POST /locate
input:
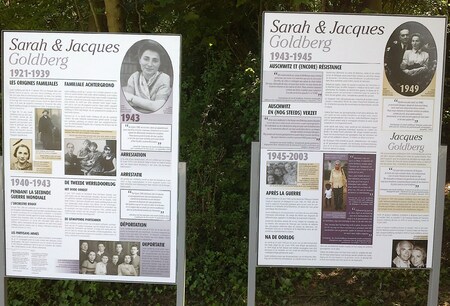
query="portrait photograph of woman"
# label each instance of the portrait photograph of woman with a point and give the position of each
(147, 76)
(21, 154)
(48, 129)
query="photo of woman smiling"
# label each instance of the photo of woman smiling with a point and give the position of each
(22, 154)
(149, 87)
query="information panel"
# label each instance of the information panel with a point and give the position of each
(350, 131)
(91, 155)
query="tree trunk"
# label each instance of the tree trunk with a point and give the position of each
(374, 6)
(97, 21)
(324, 6)
(114, 15)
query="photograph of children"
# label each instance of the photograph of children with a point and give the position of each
(410, 58)
(109, 257)
(146, 76)
(90, 157)
(48, 129)
(409, 254)
(281, 173)
(335, 173)
(21, 155)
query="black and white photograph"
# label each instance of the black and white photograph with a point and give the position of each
(48, 129)
(146, 76)
(281, 173)
(109, 257)
(90, 157)
(21, 155)
(410, 59)
(409, 254)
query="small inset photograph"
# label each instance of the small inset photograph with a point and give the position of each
(409, 254)
(109, 257)
(146, 76)
(90, 157)
(21, 155)
(335, 173)
(48, 129)
(410, 58)
(281, 173)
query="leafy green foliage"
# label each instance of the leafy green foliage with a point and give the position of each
(219, 119)
(44, 15)
(69, 292)
(216, 117)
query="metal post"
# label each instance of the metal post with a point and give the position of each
(433, 288)
(253, 225)
(181, 235)
(3, 291)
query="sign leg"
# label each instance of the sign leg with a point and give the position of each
(253, 225)
(181, 251)
(433, 288)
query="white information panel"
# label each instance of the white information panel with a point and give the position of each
(350, 131)
(91, 155)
